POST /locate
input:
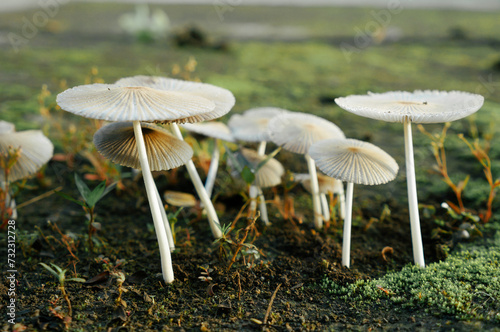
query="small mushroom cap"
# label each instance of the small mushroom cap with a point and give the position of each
(177, 198)
(222, 99)
(326, 183)
(213, 129)
(269, 174)
(296, 132)
(113, 102)
(117, 143)
(251, 126)
(36, 150)
(6, 127)
(418, 106)
(354, 161)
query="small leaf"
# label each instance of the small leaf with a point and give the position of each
(48, 268)
(108, 189)
(95, 195)
(69, 198)
(82, 188)
(247, 175)
(76, 279)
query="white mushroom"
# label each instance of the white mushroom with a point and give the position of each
(407, 107)
(35, 151)
(185, 101)
(296, 132)
(222, 101)
(353, 161)
(116, 142)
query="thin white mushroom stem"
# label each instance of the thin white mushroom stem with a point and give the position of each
(325, 206)
(212, 170)
(253, 191)
(262, 207)
(318, 217)
(261, 150)
(161, 235)
(200, 189)
(416, 237)
(341, 201)
(166, 224)
(262, 200)
(346, 242)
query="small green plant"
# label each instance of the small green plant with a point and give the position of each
(60, 274)
(90, 199)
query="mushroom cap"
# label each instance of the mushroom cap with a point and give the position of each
(36, 150)
(354, 161)
(296, 132)
(177, 198)
(113, 102)
(326, 183)
(6, 127)
(213, 129)
(222, 99)
(116, 142)
(269, 174)
(251, 126)
(417, 106)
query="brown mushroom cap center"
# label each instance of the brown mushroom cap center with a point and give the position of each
(353, 149)
(412, 102)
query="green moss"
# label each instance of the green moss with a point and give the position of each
(465, 285)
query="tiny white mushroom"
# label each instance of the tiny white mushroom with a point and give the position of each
(35, 151)
(296, 132)
(353, 161)
(326, 184)
(407, 107)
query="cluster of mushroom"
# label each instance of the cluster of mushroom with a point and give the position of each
(135, 104)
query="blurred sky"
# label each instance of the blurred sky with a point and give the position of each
(15, 5)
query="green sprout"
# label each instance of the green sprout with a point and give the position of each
(60, 274)
(90, 199)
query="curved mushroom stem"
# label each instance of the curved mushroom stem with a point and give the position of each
(416, 237)
(212, 170)
(318, 217)
(262, 148)
(253, 191)
(346, 242)
(324, 206)
(341, 200)
(152, 192)
(200, 189)
(166, 224)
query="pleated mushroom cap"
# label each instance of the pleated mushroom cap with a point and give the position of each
(212, 129)
(36, 150)
(354, 161)
(251, 126)
(177, 198)
(296, 132)
(418, 106)
(117, 143)
(268, 175)
(222, 99)
(326, 183)
(120, 103)
(6, 127)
